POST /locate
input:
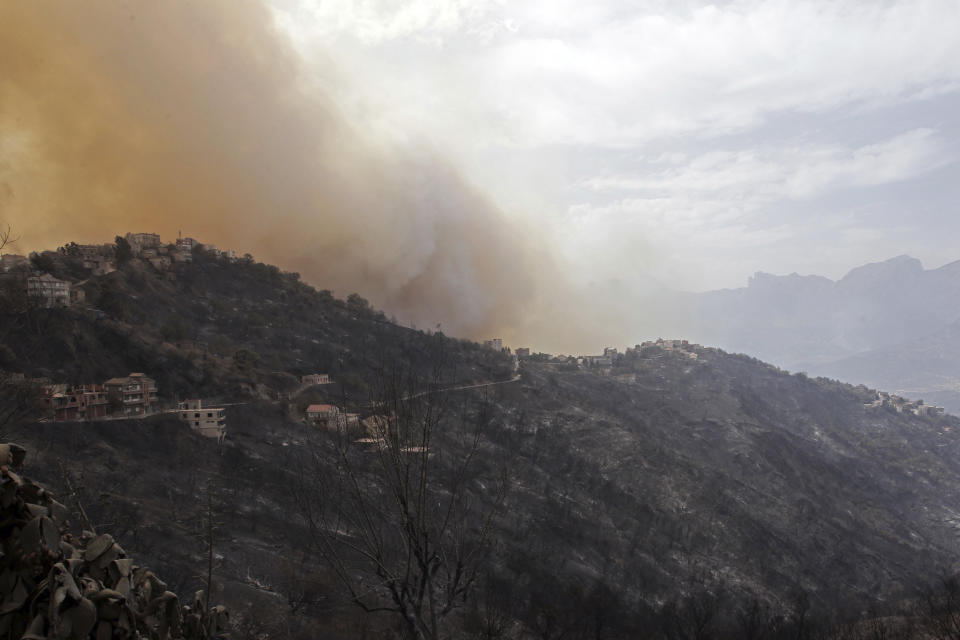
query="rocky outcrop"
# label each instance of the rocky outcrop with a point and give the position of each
(56, 585)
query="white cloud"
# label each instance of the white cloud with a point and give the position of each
(676, 101)
(789, 172)
(594, 74)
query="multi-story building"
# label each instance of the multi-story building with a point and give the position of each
(136, 393)
(186, 244)
(210, 422)
(48, 291)
(140, 241)
(523, 352)
(78, 402)
(315, 378)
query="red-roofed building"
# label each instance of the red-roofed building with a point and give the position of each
(325, 415)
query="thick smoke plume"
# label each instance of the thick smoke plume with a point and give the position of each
(159, 116)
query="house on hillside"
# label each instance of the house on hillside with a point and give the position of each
(314, 379)
(97, 257)
(142, 241)
(186, 244)
(523, 352)
(210, 422)
(136, 393)
(496, 344)
(324, 415)
(10, 261)
(48, 291)
(77, 402)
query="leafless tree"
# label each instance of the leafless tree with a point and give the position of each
(404, 520)
(6, 236)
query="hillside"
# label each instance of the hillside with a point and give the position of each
(213, 327)
(864, 328)
(921, 367)
(715, 479)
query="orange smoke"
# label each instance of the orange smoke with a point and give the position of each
(172, 115)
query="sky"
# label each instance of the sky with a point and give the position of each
(535, 170)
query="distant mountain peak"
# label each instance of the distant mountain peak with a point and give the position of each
(762, 279)
(897, 267)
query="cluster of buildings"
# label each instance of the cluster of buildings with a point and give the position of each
(497, 345)
(149, 247)
(131, 396)
(688, 348)
(902, 405)
(47, 291)
(604, 364)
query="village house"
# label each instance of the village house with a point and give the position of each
(314, 379)
(10, 261)
(141, 241)
(324, 415)
(210, 422)
(598, 361)
(610, 352)
(186, 244)
(48, 291)
(496, 344)
(523, 352)
(137, 393)
(76, 402)
(627, 378)
(96, 257)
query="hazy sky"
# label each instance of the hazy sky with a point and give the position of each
(531, 170)
(690, 142)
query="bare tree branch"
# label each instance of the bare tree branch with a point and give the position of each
(405, 526)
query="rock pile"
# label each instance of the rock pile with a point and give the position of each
(54, 585)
